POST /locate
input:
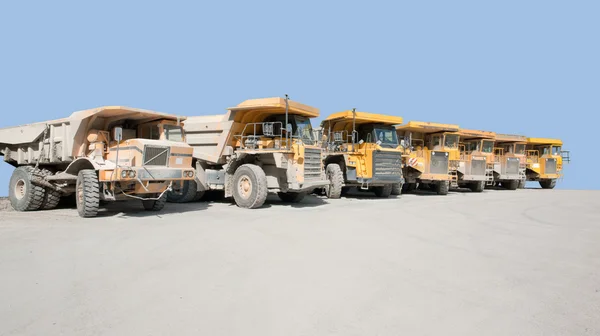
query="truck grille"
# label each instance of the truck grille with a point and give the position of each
(512, 165)
(477, 167)
(387, 165)
(312, 164)
(156, 155)
(550, 166)
(439, 163)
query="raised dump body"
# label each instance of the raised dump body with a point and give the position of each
(544, 161)
(509, 161)
(107, 153)
(259, 146)
(431, 155)
(475, 167)
(362, 150)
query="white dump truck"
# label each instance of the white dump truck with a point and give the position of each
(259, 146)
(103, 154)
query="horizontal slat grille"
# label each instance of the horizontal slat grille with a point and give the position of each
(387, 165)
(550, 166)
(512, 165)
(439, 163)
(312, 164)
(156, 155)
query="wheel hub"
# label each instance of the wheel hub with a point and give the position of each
(245, 186)
(20, 189)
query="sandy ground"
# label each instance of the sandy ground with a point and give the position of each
(523, 262)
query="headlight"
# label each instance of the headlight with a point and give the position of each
(132, 173)
(124, 174)
(189, 173)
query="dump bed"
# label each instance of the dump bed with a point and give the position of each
(476, 134)
(62, 140)
(344, 120)
(544, 141)
(510, 138)
(427, 127)
(212, 137)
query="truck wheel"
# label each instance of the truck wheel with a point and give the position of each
(199, 195)
(185, 193)
(384, 191)
(155, 205)
(87, 192)
(521, 184)
(24, 195)
(336, 180)
(548, 184)
(291, 197)
(477, 186)
(441, 187)
(51, 196)
(346, 190)
(249, 186)
(397, 188)
(511, 184)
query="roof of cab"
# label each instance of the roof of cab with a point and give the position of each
(510, 138)
(427, 127)
(544, 141)
(473, 134)
(275, 105)
(341, 119)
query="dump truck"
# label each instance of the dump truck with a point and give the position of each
(430, 155)
(259, 146)
(509, 161)
(475, 167)
(544, 161)
(103, 154)
(361, 150)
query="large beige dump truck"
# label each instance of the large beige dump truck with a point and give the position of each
(362, 150)
(475, 168)
(259, 146)
(431, 154)
(102, 154)
(509, 161)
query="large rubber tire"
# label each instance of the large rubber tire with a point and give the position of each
(51, 196)
(441, 187)
(249, 186)
(397, 188)
(87, 193)
(409, 187)
(511, 184)
(336, 180)
(291, 197)
(24, 195)
(548, 184)
(199, 195)
(186, 193)
(521, 184)
(477, 186)
(155, 205)
(383, 192)
(346, 190)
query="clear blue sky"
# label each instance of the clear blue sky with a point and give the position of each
(525, 67)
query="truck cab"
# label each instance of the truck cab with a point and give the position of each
(361, 150)
(475, 168)
(509, 161)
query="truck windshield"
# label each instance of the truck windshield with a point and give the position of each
(174, 133)
(451, 140)
(520, 149)
(386, 136)
(488, 146)
(556, 150)
(304, 130)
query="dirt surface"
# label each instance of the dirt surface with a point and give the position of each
(523, 262)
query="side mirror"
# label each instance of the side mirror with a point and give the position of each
(118, 136)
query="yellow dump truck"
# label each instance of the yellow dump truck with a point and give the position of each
(544, 161)
(362, 150)
(509, 161)
(103, 154)
(259, 146)
(475, 167)
(431, 155)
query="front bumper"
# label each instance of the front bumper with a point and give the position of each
(473, 178)
(380, 180)
(147, 174)
(308, 185)
(505, 177)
